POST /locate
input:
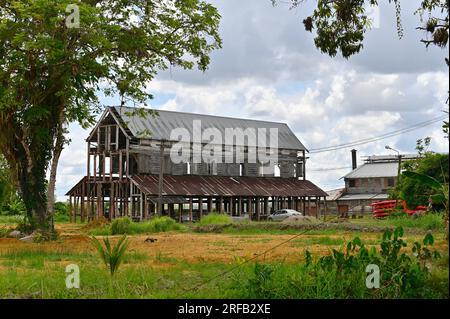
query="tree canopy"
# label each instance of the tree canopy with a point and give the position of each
(52, 71)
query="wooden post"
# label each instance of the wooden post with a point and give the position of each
(250, 207)
(128, 158)
(231, 207)
(210, 204)
(120, 166)
(82, 203)
(104, 166)
(221, 205)
(200, 207)
(117, 137)
(317, 207)
(258, 208)
(190, 209)
(141, 207)
(110, 166)
(180, 208)
(95, 168)
(309, 205)
(266, 206)
(239, 205)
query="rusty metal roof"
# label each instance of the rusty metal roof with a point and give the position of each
(196, 185)
(160, 127)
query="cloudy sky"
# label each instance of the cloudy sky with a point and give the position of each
(269, 69)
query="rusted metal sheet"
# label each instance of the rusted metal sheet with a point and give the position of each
(196, 185)
(169, 199)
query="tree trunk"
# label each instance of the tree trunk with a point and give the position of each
(32, 189)
(58, 147)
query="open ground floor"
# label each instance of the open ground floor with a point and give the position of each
(188, 198)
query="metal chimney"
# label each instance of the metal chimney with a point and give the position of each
(354, 165)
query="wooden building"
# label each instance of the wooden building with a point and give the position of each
(126, 151)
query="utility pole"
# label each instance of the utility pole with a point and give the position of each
(161, 177)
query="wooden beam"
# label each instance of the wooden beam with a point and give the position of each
(141, 207)
(221, 205)
(257, 208)
(190, 209)
(82, 203)
(200, 207)
(240, 206)
(117, 137)
(128, 158)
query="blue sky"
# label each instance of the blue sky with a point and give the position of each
(269, 69)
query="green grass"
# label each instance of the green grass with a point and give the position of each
(430, 221)
(177, 279)
(215, 219)
(38, 273)
(10, 219)
(126, 226)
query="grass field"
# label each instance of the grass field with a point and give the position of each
(173, 262)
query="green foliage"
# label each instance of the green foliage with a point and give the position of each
(51, 73)
(111, 256)
(120, 226)
(14, 207)
(4, 231)
(125, 225)
(342, 273)
(423, 177)
(342, 24)
(159, 224)
(215, 219)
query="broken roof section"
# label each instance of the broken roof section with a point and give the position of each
(197, 185)
(160, 127)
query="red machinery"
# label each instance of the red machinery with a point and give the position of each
(384, 208)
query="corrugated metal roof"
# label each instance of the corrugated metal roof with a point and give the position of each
(162, 126)
(195, 185)
(363, 196)
(389, 169)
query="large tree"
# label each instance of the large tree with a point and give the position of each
(341, 25)
(52, 71)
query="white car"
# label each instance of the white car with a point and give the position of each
(283, 214)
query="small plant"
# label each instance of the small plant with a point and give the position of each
(342, 273)
(259, 283)
(111, 256)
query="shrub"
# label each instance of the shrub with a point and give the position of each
(429, 221)
(4, 231)
(125, 225)
(342, 274)
(61, 212)
(159, 224)
(120, 226)
(14, 207)
(215, 219)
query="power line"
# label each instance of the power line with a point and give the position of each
(329, 169)
(379, 137)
